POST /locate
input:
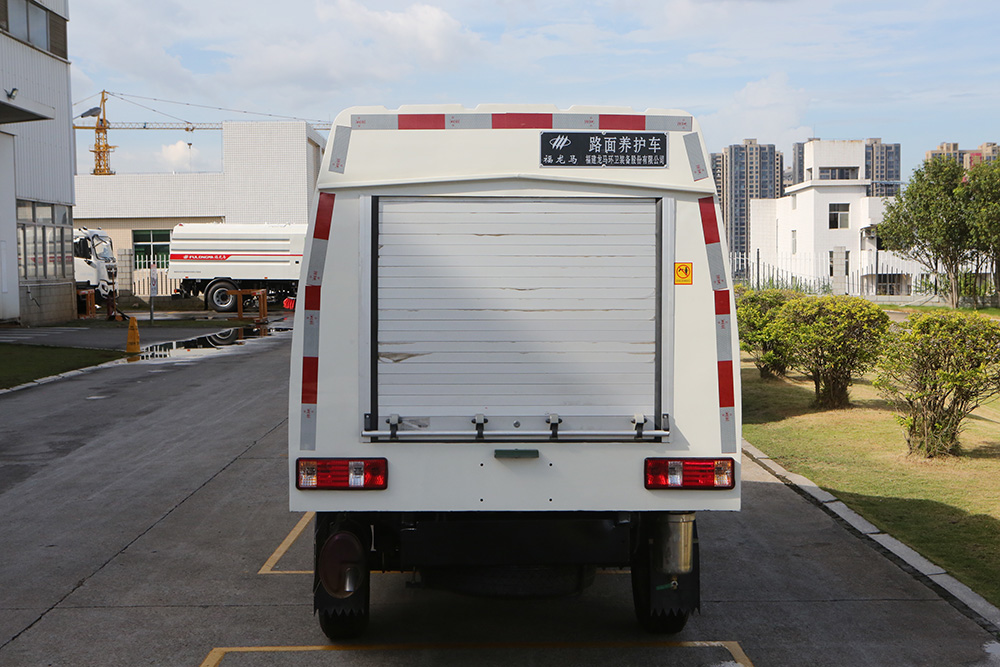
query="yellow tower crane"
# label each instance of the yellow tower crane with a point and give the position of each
(102, 149)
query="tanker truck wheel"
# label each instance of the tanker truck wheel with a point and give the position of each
(218, 300)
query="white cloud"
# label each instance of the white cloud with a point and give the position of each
(770, 110)
(758, 68)
(179, 156)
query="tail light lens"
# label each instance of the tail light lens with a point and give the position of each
(345, 474)
(690, 473)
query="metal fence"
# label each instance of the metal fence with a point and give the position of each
(142, 269)
(881, 277)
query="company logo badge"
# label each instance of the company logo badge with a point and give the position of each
(559, 142)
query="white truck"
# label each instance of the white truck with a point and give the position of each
(514, 358)
(94, 263)
(213, 258)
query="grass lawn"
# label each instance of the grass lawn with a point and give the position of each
(24, 363)
(948, 509)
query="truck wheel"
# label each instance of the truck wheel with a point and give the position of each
(217, 298)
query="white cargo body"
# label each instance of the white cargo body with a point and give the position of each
(212, 258)
(514, 325)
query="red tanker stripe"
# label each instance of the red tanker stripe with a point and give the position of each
(722, 302)
(727, 395)
(324, 214)
(421, 121)
(310, 380)
(312, 297)
(709, 224)
(622, 122)
(535, 121)
(204, 257)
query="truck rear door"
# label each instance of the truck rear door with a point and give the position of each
(527, 311)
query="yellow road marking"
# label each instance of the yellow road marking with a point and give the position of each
(268, 567)
(215, 656)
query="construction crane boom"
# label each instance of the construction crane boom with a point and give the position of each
(102, 149)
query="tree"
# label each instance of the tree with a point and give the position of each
(755, 311)
(831, 339)
(928, 222)
(936, 369)
(982, 188)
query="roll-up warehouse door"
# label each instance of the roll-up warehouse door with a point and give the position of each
(516, 309)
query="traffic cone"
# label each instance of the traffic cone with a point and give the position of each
(132, 346)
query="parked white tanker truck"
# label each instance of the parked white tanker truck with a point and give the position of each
(214, 258)
(515, 356)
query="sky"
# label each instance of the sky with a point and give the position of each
(913, 72)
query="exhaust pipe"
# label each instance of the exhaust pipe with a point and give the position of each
(676, 543)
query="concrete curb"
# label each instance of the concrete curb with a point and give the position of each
(60, 376)
(986, 614)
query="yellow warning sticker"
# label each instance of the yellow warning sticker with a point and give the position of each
(683, 273)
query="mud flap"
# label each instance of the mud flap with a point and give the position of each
(331, 529)
(657, 593)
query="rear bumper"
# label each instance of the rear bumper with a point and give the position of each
(516, 540)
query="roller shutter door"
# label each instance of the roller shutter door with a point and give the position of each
(516, 309)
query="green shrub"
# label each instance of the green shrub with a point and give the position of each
(755, 311)
(936, 369)
(830, 339)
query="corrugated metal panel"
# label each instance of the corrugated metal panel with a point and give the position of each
(518, 308)
(43, 149)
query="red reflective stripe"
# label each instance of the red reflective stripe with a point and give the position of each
(538, 121)
(190, 257)
(311, 299)
(727, 396)
(709, 225)
(722, 302)
(310, 380)
(202, 257)
(421, 121)
(324, 214)
(621, 122)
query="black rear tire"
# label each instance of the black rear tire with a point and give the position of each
(218, 300)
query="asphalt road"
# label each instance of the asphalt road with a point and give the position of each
(143, 520)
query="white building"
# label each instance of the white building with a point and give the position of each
(821, 233)
(36, 164)
(268, 175)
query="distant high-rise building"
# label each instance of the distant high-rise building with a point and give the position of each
(799, 160)
(743, 172)
(882, 168)
(968, 158)
(717, 175)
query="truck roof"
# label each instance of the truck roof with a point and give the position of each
(499, 142)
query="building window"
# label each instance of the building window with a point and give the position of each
(795, 242)
(44, 241)
(838, 173)
(151, 245)
(839, 216)
(34, 24)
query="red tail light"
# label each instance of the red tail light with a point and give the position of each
(345, 474)
(690, 473)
